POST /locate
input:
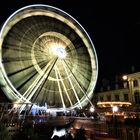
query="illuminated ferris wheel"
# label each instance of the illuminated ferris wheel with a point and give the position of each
(46, 56)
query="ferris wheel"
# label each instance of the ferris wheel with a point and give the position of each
(46, 56)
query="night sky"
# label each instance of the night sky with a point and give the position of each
(114, 28)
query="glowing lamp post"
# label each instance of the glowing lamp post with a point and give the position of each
(114, 119)
(125, 81)
(124, 77)
(115, 109)
(92, 109)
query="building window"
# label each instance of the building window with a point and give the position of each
(125, 84)
(117, 98)
(108, 98)
(101, 98)
(135, 82)
(137, 97)
(126, 97)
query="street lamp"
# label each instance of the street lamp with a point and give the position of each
(115, 109)
(125, 81)
(114, 119)
(92, 109)
(124, 77)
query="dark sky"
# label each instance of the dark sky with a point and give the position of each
(114, 28)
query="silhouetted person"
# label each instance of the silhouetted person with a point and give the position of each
(80, 135)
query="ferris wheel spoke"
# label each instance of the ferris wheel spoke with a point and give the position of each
(12, 47)
(20, 76)
(64, 86)
(84, 72)
(72, 86)
(77, 82)
(20, 70)
(83, 69)
(42, 79)
(33, 87)
(60, 91)
(73, 49)
(31, 74)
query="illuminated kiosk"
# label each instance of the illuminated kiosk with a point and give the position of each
(46, 56)
(118, 108)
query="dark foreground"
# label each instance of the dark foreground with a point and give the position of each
(71, 129)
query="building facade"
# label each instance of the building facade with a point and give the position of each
(126, 98)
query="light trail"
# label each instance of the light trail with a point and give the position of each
(64, 86)
(60, 91)
(72, 87)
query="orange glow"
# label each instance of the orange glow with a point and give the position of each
(110, 104)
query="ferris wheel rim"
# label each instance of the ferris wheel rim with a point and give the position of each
(54, 8)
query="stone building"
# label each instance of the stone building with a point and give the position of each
(126, 97)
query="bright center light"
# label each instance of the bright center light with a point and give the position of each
(58, 50)
(61, 53)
